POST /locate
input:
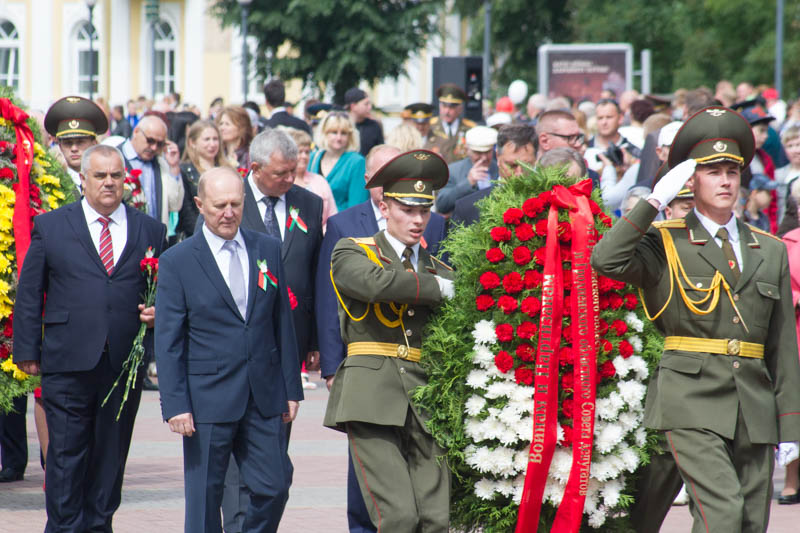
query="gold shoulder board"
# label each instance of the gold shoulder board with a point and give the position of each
(468, 123)
(671, 223)
(762, 232)
(369, 241)
(434, 120)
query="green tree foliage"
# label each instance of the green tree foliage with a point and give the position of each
(337, 42)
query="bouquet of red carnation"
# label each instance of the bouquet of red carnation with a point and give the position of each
(132, 192)
(130, 368)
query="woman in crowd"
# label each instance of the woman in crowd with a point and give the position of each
(202, 153)
(787, 174)
(338, 161)
(308, 180)
(236, 132)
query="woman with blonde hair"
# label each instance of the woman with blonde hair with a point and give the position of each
(309, 180)
(236, 132)
(338, 161)
(405, 137)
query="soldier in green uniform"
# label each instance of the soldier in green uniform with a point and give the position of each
(387, 286)
(727, 388)
(447, 133)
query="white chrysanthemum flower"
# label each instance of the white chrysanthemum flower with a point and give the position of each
(554, 491)
(600, 469)
(524, 429)
(561, 464)
(474, 429)
(493, 428)
(636, 342)
(494, 373)
(519, 486)
(505, 487)
(609, 436)
(597, 519)
(499, 389)
(616, 400)
(632, 392)
(611, 492)
(482, 356)
(641, 436)
(501, 461)
(477, 379)
(521, 460)
(634, 322)
(509, 437)
(474, 405)
(605, 409)
(629, 457)
(484, 332)
(484, 489)
(479, 459)
(621, 365)
(559, 433)
(639, 366)
(629, 421)
(522, 393)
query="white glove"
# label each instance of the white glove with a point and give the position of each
(787, 452)
(446, 287)
(671, 184)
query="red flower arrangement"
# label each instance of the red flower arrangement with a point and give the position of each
(504, 332)
(522, 255)
(526, 330)
(513, 215)
(507, 304)
(526, 352)
(501, 234)
(484, 302)
(495, 255)
(512, 282)
(523, 376)
(489, 280)
(524, 232)
(503, 361)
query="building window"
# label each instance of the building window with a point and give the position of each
(165, 48)
(88, 62)
(9, 54)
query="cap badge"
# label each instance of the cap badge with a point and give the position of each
(720, 146)
(422, 156)
(419, 186)
(74, 124)
(73, 99)
(715, 112)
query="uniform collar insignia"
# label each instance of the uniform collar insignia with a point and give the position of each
(695, 240)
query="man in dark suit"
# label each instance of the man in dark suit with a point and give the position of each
(85, 256)
(362, 220)
(227, 358)
(275, 95)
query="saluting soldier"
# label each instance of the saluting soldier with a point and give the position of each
(75, 122)
(387, 286)
(449, 128)
(727, 388)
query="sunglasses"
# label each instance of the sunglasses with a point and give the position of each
(154, 142)
(577, 138)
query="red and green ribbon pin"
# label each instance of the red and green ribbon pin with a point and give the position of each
(295, 220)
(265, 276)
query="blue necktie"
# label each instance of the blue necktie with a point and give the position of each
(270, 220)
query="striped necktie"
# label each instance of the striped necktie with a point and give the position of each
(106, 249)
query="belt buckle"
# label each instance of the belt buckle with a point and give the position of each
(402, 351)
(734, 346)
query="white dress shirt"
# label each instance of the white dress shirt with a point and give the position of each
(75, 177)
(399, 248)
(733, 234)
(222, 257)
(118, 227)
(280, 205)
(379, 218)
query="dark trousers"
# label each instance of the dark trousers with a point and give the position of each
(657, 487)
(88, 448)
(14, 436)
(259, 446)
(358, 520)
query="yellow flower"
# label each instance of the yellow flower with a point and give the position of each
(7, 365)
(52, 202)
(19, 375)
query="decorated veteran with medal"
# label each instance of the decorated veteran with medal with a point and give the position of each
(727, 388)
(387, 286)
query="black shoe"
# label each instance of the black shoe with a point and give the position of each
(149, 385)
(790, 499)
(7, 475)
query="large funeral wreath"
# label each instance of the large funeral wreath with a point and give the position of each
(487, 352)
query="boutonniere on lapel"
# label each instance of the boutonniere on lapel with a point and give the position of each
(265, 276)
(294, 220)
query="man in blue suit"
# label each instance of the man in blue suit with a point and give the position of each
(227, 359)
(75, 319)
(362, 220)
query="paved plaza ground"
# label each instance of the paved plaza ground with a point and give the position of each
(152, 496)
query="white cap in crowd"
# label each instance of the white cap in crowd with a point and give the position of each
(667, 133)
(481, 138)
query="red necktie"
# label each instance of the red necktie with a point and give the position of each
(106, 250)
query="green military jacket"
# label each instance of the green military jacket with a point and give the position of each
(374, 284)
(703, 390)
(450, 148)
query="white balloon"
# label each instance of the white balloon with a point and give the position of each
(517, 91)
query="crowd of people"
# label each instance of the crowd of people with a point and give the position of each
(306, 222)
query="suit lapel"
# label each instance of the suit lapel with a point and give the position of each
(290, 200)
(710, 250)
(77, 220)
(209, 265)
(751, 259)
(252, 215)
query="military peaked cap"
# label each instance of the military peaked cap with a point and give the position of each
(75, 116)
(712, 135)
(411, 178)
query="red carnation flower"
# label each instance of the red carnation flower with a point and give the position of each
(617, 285)
(532, 279)
(606, 346)
(495, 255)
(513, 215)
(602, 327)
(522, 255)
(532, 207)
(507, 304)
(607, 369)
(566, 332)
(8, 330)
(512, 282)
(135, 173)
(489, 280)
(541, 227)
(500, 234)
(564, 231)
(525, 352)
(526, 330)
(625, 349)
(545, 197)
(619, 327)
(531, 306)
(602, 301)
(484, 302)
(504, 332)
(540, 255)
(566, 408)
(594, 208)
(565, 356)
(604, 284)
(614, 301)
(605, 219)
(523, 375)
(6, 173)
(4, 351)
(567, 440)
(631, 301)
(524, 232)
(503, 361)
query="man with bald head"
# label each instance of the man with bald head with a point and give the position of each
(227, 358)
(362, 220)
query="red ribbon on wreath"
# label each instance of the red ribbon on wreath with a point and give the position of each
(22, 192)
(584, 303)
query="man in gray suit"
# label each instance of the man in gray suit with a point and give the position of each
(474, 172)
